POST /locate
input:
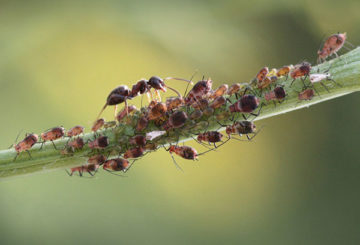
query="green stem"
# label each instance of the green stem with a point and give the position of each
(345, 70)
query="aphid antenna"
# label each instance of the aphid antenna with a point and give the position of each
(113, 172)
(191, 78)
(17, 137)
(204, 145)
(213, 149)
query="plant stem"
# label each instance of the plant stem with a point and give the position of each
(345, 70)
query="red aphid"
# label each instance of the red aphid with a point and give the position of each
(76, 144)
(53, 134)
(142, 123)
(120, 116)
(200, 90)
(210, 136)
(97, 159)
(26, 143)
(307, 94)
(116, 164)
(277, 94)
(174, 102)
(185, 152)
(98, 124)
(75, 131)
(139, 140)
(242, 127)
(333, 44)
(262, 74)
(89, 168)
(99, 143)
(157, 111)
(218, 102)
(301, 70)
(134, 153)
(176, 120)
(234, 89)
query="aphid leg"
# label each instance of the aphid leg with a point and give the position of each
(17, 154)
(292, 82)
(176, 165)
(70, 174)
(112, 172)
(54, 144)
(322, 84)
(213, 148)
(92, 175)
(200, 143)
(332, 80)
(42, 144)
(28, 152)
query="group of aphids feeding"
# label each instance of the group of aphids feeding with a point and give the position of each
(188, 112)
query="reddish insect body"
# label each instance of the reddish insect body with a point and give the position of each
(89, 168)
(75, 131)
(307, 94)
(116, 164)
(176, 120)
(134, 153)
(262, 74)
(26, 144)
(284, 71)
(220, 91)
(242, 127)
(277, 94)
(99, 143)
(53, 134)
(331, 46)
(97, 159)
(142, 123)
(157, 111)
(300, 71)
(210, 136)
(98, 124)
(76, 144)
(247, 104)
(185, 152)
(196, 114)
(174, 102)
(200, 90)
(235, 88)
(218, 102)
(138, 140)
(200, 104)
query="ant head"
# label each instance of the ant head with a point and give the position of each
(157, 83)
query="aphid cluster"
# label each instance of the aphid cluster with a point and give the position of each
(234, 108)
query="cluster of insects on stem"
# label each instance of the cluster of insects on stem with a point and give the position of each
(234, 107)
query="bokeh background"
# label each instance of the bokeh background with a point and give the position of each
(296, 183)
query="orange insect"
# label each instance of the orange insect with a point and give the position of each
(185, 152)
(89, 168)
(122, 114)
(200, 90)
(262, 74)
(76, 144)
(174, 102)
(99, 143)
(284, 71)
(142, 123)
(26, 144)
(51, 135)
(331, 46)
(241, 128)
(98, 124)
(301, 71)
(307, 94)
(210, 136)
(116, 164)
(220, 91)
(218, 102)
(97, 159)
(134, 153)
(157, 111)
(233, 89)
(75, 131)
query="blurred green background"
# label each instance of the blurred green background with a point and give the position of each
(296, 183)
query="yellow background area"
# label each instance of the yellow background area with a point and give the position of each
(296, 183)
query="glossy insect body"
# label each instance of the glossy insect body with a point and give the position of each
(218, 102)
(89, 168)
(98, 124)
(242, 127)
(220, 91)
(76, 144)
(301, 70)
(210, 136)
(138, 140)
(176, 120)
(99, 143)
(307, 94)
(120, 116)
(116, 164)
(53, 134)
(117, 96)
(277, 94)
(200, 90)
(333, 44)
(185, 152)
(174, 102)
(134, 153)
(26, 144)
(247, 104)
(140, 87)
(262, 74)
(75, 131)
(157, 111)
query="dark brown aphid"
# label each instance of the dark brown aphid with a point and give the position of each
(96, 159)
(99, 143)
(176, 120)
(233, 89)
(246, 104)
(134, 153)
(52, 134)
(76, 144)
(307, 94)
(220, 91)
(174, 102)
(333, 44)
(262, 74)
(26, 144)
(218, 102)
(98, 124)
(240, 128)
(89, 168)
(138, 140)
(116, 164)
(142, 123)
(210, 136)
(157, 111)
(185, 152)
(75, 131)
(277, 94)
(120, 116)
(300, 71)
(200, 90)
